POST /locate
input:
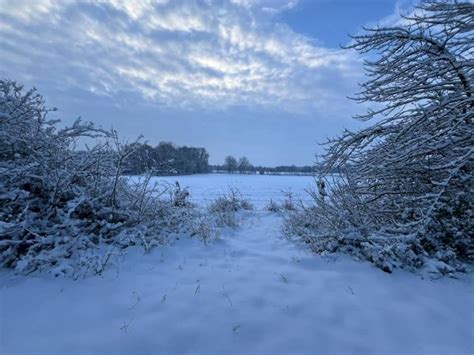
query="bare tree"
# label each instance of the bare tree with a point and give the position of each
(230, 164)
(409, 174)
(244, 165)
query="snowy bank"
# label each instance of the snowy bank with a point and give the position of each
(251, 292)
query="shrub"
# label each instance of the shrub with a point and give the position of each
(288, 203)
(272, 206)
(59, 206)
(405, 198)
(225, 208)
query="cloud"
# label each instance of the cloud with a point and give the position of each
(27, 11)
(189, 54)
(270, 6)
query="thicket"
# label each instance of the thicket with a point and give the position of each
(165, 159)
(226, 208)
(405, 198)
(60, 206)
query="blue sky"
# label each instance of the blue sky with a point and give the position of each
(260, 78)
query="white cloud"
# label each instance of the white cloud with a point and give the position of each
(26, 10)
(135, 9)
(193, 54)
(270, 6)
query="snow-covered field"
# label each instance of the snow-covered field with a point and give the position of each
(259, 189)
(250, 292)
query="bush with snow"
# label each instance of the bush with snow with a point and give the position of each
(59, 207)
(405, 198)
(288, 203)
(224, 209)
(273, 206)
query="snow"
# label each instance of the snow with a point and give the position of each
(259, 189)
(252, 291)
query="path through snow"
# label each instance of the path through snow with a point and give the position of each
(251, 292)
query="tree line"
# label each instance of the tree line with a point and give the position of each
(242, 165)
(169, 159)
(165, 159)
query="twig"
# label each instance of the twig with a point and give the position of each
(226, 295)
(138, 299)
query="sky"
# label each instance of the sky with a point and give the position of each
(265, 79)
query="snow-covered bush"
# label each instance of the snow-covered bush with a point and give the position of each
(273, 206)
(225, 208)
(288, 203)
(405, 198)
(58, 204)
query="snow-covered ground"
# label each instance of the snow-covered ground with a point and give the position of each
(250, 292)
(259, 189)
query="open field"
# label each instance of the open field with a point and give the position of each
(251, 291)
(259, 189)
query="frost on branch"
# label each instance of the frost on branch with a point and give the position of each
(406, 198)
(60, 206)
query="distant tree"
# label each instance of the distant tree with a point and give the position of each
(230, 164)
(165, 157)
(141, 159)
(192, 160)
(244, 165)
